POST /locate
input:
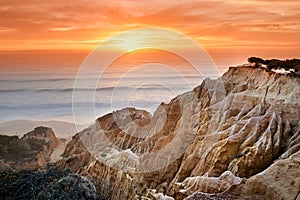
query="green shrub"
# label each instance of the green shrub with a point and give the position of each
(69, 188)
(50, 183)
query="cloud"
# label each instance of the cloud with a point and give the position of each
(244, 22)
(6, 30)
(63, 28)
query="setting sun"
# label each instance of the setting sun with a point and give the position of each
(145, 38)
(130, 43)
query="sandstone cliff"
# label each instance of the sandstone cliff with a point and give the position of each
(234, 137)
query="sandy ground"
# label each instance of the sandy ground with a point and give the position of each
(56, 154)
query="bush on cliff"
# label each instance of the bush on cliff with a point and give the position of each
(287, 64)
(15, 149)
(50, 183)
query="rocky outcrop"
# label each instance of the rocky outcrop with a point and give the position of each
(211, 185)
(280, 181)
(43, 133)
(32, 151)
(227, 133)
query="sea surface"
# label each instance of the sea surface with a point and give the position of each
(34, 93)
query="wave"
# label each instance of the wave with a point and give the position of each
(14, 90)
(146, 88)
(59, 90)
(52, 105)
(69, 105)
(36, 80)
(94, 79)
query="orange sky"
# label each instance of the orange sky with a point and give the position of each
(233, 26)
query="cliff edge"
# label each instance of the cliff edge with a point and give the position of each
(237, 137)
(32, 151)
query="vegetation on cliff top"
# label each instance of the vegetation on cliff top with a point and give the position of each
(14, 149)
(288, 64)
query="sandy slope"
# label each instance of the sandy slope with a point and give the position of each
(56, 154)
(20, 127)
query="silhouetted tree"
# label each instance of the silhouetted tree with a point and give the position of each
(274, 64)
(258, 61)
(293, 65)
(285, 64)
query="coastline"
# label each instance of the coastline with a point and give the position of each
(20, 127)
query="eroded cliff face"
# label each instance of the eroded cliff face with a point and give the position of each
(43, 133)
(228, 136)
(279, 181)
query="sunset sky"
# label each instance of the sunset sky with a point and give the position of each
(239, 28)
(46, 44)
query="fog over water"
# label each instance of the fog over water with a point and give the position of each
(40, 94)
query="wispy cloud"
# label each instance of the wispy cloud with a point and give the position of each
(63, 28)
(6, 30)
(213, 22)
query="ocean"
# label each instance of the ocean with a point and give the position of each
(37, 94)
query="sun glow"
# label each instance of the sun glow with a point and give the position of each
(131, 41)
(137, 39)
(130, 44)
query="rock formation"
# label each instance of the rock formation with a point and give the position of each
(32, 151)
(45, 134)
(280, 181)
(237, 136)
